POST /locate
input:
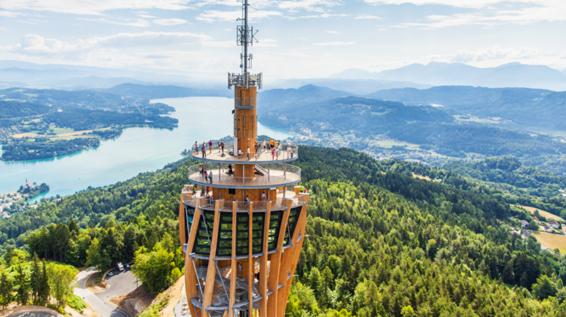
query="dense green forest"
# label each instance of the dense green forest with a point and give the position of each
(380, 242)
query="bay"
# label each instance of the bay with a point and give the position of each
(136, 150)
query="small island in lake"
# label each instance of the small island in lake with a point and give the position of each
(11, 203)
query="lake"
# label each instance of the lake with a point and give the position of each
(136, 150)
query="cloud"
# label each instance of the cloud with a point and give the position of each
(308, 5)
(335, 43)
(495, 56)
(37, 44)
(91, 7)
(367, 17)
(216, 15)
(452, 3)
(521, 12)
(170, 22)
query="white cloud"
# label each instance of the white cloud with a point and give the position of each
(308, 5)
(216, 15)
(38, 44)
(90, 7)
(495, 56)
(367, 17)
(528, 12)
(170, 22)
(452, 3)
(334, 43)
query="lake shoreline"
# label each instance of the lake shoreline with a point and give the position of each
(136, 150)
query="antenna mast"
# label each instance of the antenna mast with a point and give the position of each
(246, 36)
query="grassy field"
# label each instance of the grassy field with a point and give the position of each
(551, 241)
(543, 213)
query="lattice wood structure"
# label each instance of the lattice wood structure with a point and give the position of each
(243, 228)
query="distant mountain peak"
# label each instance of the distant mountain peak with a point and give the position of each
(435, 73)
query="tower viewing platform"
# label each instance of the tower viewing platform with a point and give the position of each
(281, 152)
(242, 217)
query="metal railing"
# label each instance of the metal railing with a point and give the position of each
(284, 151)
(265, 175)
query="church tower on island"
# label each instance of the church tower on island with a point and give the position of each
(242, 217)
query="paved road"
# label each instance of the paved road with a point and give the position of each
(120, 284)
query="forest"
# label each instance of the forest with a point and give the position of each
(380, 241)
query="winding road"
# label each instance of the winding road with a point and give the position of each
(119, 285)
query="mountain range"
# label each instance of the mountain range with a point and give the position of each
(320, 114)
(434, 74)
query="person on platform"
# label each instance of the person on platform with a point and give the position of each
(210, 146)
(195, 148)
(230, 170)
(210, 177)
(263, 196)
(247, 201)
(272, 153)
(203, 150)
(248, 152)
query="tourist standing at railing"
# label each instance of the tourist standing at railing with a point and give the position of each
(222, 147)
(272, 153)
(210, 177)
(210, 146)
(203, 150)
(195, 148)
(230, 171)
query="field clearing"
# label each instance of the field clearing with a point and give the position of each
(551, 241)
(25, 135)
(543, 213)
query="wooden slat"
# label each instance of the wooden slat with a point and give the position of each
(190, 274)
(289, 262)
(211, 272)
(182, 223)
(273, 281)
(233, 262)
(250, 260)
(263, 265)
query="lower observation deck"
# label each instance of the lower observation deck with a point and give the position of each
(197, 199)
(264, 177)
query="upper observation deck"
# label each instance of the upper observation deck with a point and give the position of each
(280, 175)
(283, 153)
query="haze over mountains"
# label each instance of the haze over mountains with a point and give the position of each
(434, 74)
(354, 81)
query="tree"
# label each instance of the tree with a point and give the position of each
(44, 290)
(35, 279)
(154, 268)
(22, 293)
(60, 279)
(5, 290)
(302, 302)
(544, 287)
(96, 257)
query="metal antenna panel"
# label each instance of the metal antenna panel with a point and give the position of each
(245, 37)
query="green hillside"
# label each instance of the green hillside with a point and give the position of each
(380, 241)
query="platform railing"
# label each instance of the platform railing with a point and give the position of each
(284, 151)
(222, 173)
(197, 199)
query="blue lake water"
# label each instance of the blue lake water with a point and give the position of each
(136, 150)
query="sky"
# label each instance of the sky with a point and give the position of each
(196, 39)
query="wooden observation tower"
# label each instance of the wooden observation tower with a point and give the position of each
(242, 218)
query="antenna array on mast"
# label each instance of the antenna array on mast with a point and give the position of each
(246, 36)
